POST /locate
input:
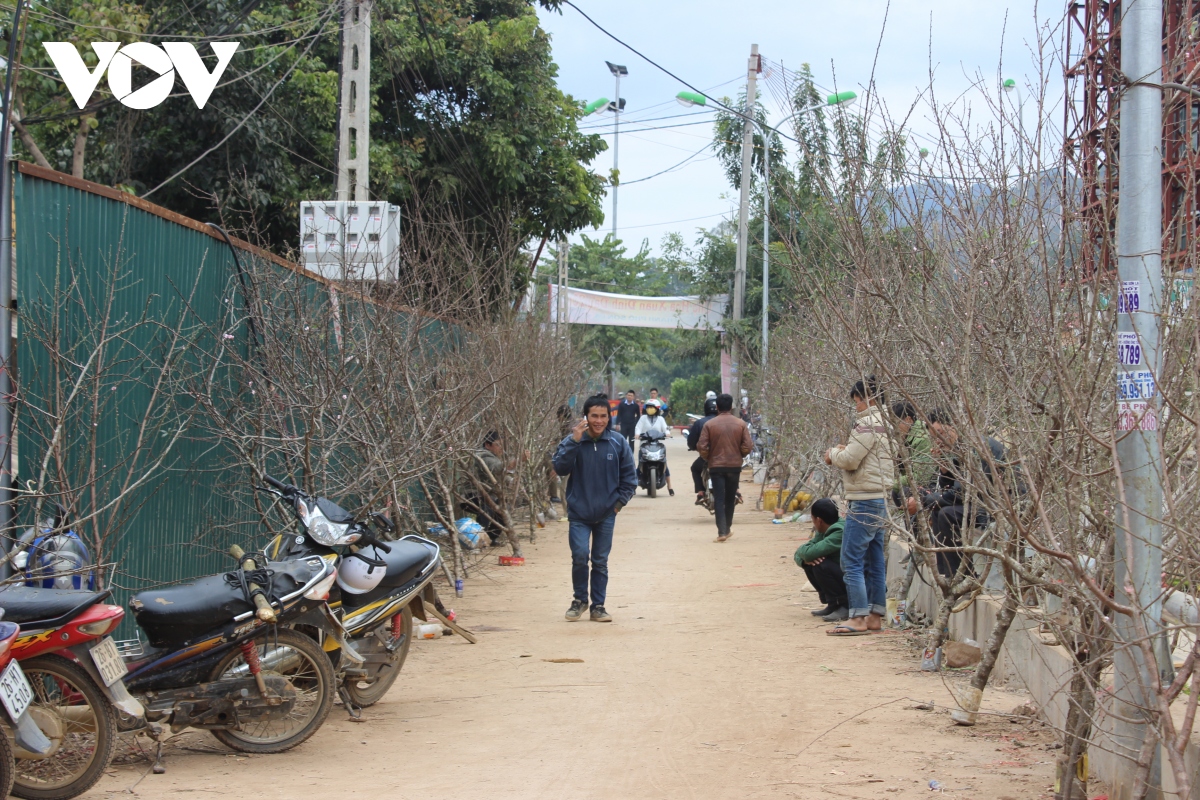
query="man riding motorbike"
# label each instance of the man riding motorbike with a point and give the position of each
(693, 438)
(652, 421)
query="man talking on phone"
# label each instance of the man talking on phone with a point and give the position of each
(602, 478)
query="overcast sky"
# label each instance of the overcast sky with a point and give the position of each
(706, 43)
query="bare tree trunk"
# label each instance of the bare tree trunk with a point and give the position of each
(1072, 777)
(77, 154)
(968, 710)
(31, 145)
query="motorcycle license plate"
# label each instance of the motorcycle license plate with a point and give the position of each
(108, 661)
(15, 692)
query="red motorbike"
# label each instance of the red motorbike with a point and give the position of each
(16, 696)
(76, 672)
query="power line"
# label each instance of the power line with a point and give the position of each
(649, 60)
(650, 119)
(668, 169)
(253, 111)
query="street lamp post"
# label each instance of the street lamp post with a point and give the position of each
(617, 106)
(1010, 85)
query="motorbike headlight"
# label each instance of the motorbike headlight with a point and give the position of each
(326, 532)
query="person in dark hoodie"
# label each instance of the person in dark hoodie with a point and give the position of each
(820, 558)
(693, 439)
(602, 479)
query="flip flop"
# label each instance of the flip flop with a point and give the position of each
(846, 630)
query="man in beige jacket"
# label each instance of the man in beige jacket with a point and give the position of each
(868, 470)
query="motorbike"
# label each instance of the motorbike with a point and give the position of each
(16, 697)
(77, 698)
(223, 658)
(652, 463)
(379, 589)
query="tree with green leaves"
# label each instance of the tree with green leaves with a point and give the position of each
(469, 129)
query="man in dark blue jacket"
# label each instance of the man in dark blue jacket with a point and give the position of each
(602, 479)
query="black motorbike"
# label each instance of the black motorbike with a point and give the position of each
(222, 658)
(652, 462)
(380, 587)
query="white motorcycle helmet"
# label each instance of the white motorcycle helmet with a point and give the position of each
(356, 576)
(711, 395)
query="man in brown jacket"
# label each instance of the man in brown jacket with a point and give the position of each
(724, 442)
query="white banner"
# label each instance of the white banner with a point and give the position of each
(585, 307)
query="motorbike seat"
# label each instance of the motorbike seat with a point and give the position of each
(34, 607)
(173, 615)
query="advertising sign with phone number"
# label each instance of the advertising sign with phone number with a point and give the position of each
(1129, 349)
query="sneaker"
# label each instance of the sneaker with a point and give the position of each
(820, 612)
(671, 492)
(722, 538)
(576, 610)
(839, 615)
(600, 615)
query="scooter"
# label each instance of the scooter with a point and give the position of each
(379, 589)
(224, 659)
(78, 700)
(652, 463)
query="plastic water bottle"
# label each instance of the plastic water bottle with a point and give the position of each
(458, 587)
(428, 630)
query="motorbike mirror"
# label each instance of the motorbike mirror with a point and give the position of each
(387, 524)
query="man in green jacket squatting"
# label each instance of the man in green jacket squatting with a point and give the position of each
(820, 558)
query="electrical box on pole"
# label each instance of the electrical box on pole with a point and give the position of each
(352, 238)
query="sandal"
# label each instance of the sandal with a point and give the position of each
(846, 630)
(671, 492)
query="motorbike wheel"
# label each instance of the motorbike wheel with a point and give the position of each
(370, 690)
(311, 675)
(77, 717)
(652, 483)
(8, 767)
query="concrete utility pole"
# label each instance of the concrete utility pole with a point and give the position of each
(354, 95)
(743, 240)
(560, 312)
(1139, 267)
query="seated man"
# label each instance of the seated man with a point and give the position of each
(820, 558)
(946, 498)
(489, 471)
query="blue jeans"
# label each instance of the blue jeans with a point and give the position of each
(863, 565)
(600, 536)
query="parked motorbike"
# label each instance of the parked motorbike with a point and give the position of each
(223, 658)
(380, 587)
(16, 697)
(75, 674)
(652, 462)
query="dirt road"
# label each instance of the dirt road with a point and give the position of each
(714, 681)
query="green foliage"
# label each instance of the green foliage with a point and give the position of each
(687, 394)
(466, 116)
